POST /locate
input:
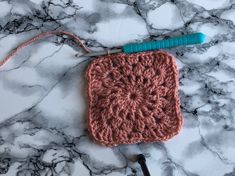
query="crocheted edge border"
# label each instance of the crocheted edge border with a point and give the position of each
(146, 140)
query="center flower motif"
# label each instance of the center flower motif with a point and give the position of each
(133, 98)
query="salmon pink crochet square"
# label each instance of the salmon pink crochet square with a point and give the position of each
(133, 98)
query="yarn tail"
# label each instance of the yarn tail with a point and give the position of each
(41, 36)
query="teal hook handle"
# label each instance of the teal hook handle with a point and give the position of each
(190, 39)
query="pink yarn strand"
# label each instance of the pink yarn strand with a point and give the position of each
(38, 37)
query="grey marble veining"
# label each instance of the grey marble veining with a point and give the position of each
(43, 103)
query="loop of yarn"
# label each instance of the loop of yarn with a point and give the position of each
(133, 98)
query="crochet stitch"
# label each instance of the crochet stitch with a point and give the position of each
(133, 98)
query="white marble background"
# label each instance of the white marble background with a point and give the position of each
(42, 96)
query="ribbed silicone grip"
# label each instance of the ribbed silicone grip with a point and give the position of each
(196, 38)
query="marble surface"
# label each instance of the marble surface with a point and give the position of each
(42, 97)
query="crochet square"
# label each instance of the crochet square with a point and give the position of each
(133, 98)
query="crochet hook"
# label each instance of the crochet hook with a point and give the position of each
(190, 39)
(142, 161)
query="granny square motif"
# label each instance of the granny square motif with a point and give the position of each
(133, 98)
